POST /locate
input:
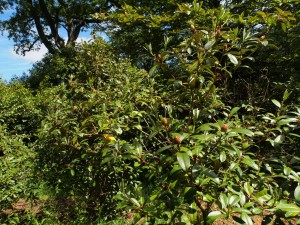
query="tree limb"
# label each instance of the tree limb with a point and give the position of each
(30, 47)
(40, 29)
(53, 26)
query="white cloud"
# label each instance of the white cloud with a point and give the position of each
(83, 39)
(30, 57)
(33, 56)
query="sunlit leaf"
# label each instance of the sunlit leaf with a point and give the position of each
(286, 121)
(288, 207)
(222, 156)
(233, 59)
(212, 216)
(248, 188)
(209, 44)
(183, 160)
(247, 219)
(297, 194)
(250, 162)
(243, 131)
(277, 103)
(233, 111)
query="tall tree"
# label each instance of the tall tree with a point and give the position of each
(36, 22)
(4, 5)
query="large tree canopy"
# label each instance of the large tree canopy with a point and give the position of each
(55, 23)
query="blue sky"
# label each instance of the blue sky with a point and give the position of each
(12, 64)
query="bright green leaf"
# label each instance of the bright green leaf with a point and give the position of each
(223, 200)
(209, 44)
(223, 156)
(288, 207)
(248, 188)
(135, 202)
(286, 121)
(183, 160)
(277, 103)
(247, 219)
(297, 194)
(233, 200)
(233, 111)
(212, 216)
(233, 59)
(250, 162)
(243, 131)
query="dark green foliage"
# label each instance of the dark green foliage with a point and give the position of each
(16, 169)
(210, 132)
(18, 112)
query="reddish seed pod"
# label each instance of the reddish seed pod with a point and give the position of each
(218, 32)
(177, 140)
(165, 187)
(158, 58)
(164, 121)
(224, 127)
(262, 37)
(199, 187)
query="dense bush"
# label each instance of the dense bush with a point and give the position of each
(95, 138)
(18, 125)
(18, 111)
(90, 124)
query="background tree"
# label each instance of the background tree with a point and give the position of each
(36, 22)
(4, 5)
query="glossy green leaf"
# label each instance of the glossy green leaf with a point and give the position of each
(250, 162)
(209, 44)
(278, 140)
(277, 103)
(287, 121)
(246, 218)
(135, 202)
(212, 175)
(212, 216)
(257, 211)
(262, 196)
(241, 210)
(265, 43)
(243, 131)
(205, 127)
(233, 200)
(297, 194)
(222, 157)
(291, 208)
(233, 59)
(234, 111)
(223, 200)
(153, 70)
(248, 188)
(183, 160)
(286, 95)
(287, 170)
